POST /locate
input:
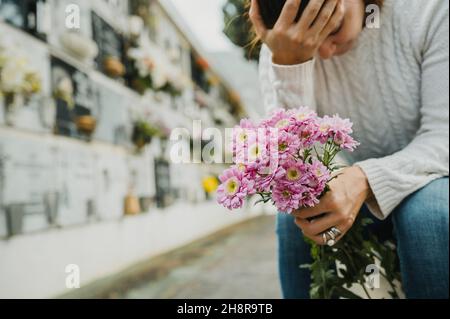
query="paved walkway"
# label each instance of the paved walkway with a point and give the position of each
(239, 262)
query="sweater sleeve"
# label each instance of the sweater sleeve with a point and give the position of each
(285, 86)
(426, 158)
(288, 87)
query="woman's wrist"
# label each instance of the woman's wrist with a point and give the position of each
(362, 182)
(289, 61)
(300, 74)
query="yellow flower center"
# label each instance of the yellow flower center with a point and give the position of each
(232, 186)
(282, 123)
(282, 147)
(293, 174)
(286, 194)
(319, 172)
(324, 127)
(243, 136)
(255, 151)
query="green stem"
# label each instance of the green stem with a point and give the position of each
(360, 282)
(391, 285)
(322, 273)
(365, 290)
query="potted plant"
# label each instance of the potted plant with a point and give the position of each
(113, 67)
(140, 70)
(171, 89)
(64, 91)
(131, 205)
(86, 124)
(18, 82)
(143, 133)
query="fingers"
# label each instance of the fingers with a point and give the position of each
(310, 212)
(319, 239)
(326, 204)
(344, 226)
(310, 14)
(257, 21)
(318, 226)
(324, 16)
(335, 21)
(288, 14)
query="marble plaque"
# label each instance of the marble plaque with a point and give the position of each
(111, 184)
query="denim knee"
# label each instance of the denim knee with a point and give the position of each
(421, 227)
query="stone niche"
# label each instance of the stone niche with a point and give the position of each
(31, 115)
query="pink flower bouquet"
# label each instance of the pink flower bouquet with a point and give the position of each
(289, 159)
(286, 159)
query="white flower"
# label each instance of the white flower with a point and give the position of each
(159, 77)
(135, 25)
(13, 74)
(16, 74)
(65, 86)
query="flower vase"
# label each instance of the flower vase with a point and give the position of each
(113, 67)
(79, 46)
(132, 205)
(86, 125)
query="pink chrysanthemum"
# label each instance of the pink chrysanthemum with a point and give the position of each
(280, 119)
(234, 189)
(296, 172)
(241, 138)
(287, 197)
(267, 176)
(288, 145)
(308, 133)
(318, 178)
(345, 141)
(259, 149)
(338, 130)
(304, 114)
(309, 199)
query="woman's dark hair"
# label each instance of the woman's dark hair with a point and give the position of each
(271, 9)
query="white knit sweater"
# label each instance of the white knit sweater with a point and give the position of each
(394, 86)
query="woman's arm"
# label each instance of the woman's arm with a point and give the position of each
(285, 86)
(426, 158)
(286, 62)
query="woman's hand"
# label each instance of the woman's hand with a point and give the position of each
(297, 42)
(341, 206)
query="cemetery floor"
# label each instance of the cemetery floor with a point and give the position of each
(238, 262)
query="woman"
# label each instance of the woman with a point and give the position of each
(392, 81)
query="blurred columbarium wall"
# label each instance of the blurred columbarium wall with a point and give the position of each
(85, 118)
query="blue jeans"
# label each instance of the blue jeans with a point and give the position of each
(420, 226)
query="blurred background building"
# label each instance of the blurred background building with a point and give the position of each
(89, 93)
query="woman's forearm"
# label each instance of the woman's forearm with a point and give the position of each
(287, 86)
